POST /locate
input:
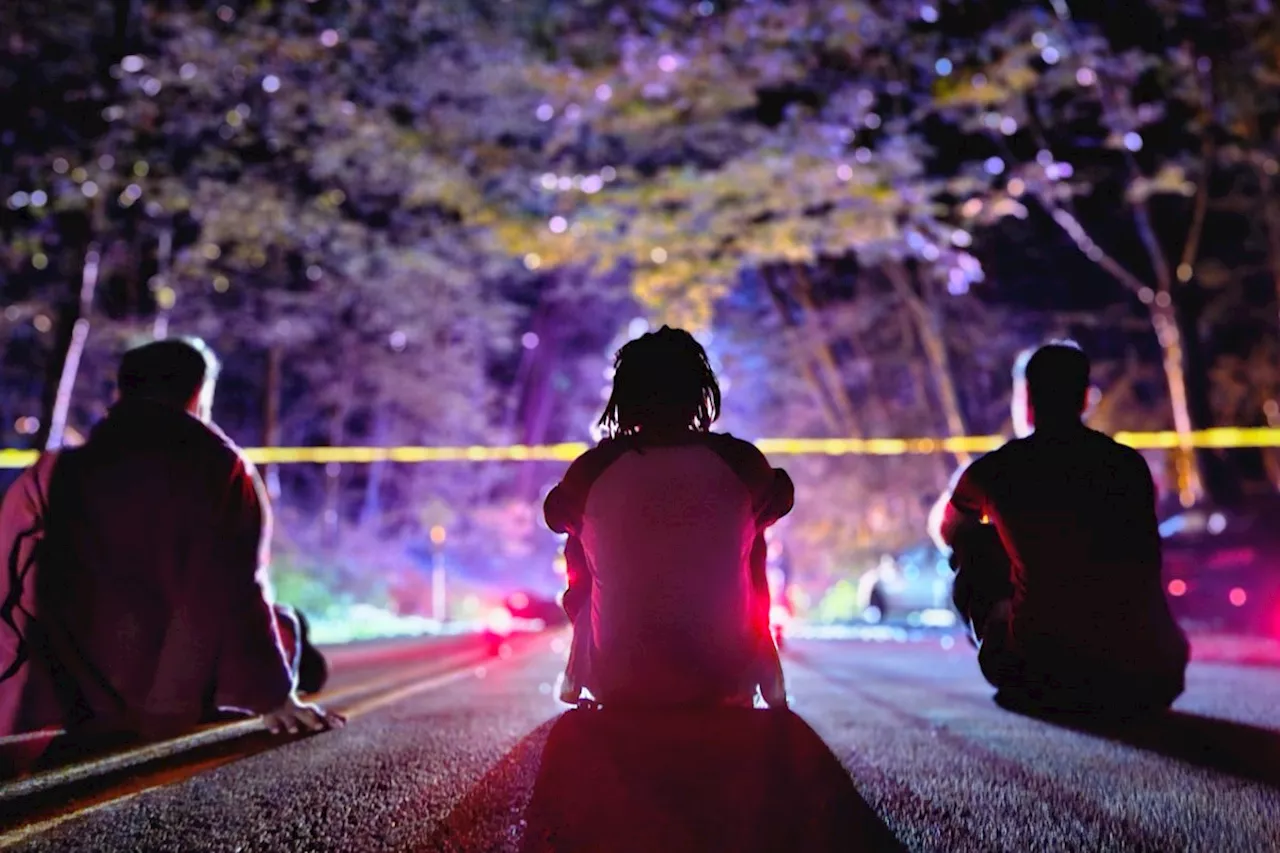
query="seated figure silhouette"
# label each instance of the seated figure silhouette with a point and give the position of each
(135, 595)
(666, 551)
(1054, 537)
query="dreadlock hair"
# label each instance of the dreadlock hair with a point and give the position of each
(662, 378)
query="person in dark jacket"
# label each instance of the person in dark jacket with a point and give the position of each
(138, 567)
(1055, 537)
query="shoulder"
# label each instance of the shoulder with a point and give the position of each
(565, 503)
(739, 453)
(33, 483)
(1122, 456)
(221, 449)
(994, 462)
(590, 465)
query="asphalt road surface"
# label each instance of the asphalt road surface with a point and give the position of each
(892, 746)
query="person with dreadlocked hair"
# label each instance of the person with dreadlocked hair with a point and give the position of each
(666, 550)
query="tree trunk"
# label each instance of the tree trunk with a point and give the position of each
(333, 476)
(820, 340)
(1164, 317)
(538, 415)
(828, 407)
(64, 361)
(928, 327)
(271, 416)
(164, 257)
(1220, 483)
(371, 510)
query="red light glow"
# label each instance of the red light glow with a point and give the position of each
(1238, 597)
(519, 601)
(1177, 587)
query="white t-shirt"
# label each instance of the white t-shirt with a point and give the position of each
(667, 534)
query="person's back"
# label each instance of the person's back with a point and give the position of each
(146, 524)
(666, 523)
(1076, 513)
(668, 531)
(1073, 612)
(144, 603)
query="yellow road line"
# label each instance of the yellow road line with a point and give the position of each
(367, 706)
(376, 702)
(21, 834)
(124, 760)
(207, 735)
(396, 678)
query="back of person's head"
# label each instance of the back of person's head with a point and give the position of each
(1056, 376)
(662, 381)
(174, 371)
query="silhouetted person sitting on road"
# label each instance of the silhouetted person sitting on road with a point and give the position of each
(666, 557)
(135, 590)
(1058, 556)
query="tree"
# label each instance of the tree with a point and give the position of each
(1071, 118)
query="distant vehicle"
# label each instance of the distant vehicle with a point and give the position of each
(529, 606)
(912, 582)
(521, 613)
(1222, 565)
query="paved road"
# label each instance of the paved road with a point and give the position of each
(892, 746)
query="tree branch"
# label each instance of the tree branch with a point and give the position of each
(1086, 244)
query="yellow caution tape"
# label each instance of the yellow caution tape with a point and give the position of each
(1220, 438)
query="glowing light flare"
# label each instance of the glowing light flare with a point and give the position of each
(500, 621)
(1177, 588)
(519, 601)
(1238, 597)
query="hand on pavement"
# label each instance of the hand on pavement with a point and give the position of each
(295, 716)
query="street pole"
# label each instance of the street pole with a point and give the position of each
(438, 589)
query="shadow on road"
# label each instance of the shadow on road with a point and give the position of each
(740, 780)
(1237, 749)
